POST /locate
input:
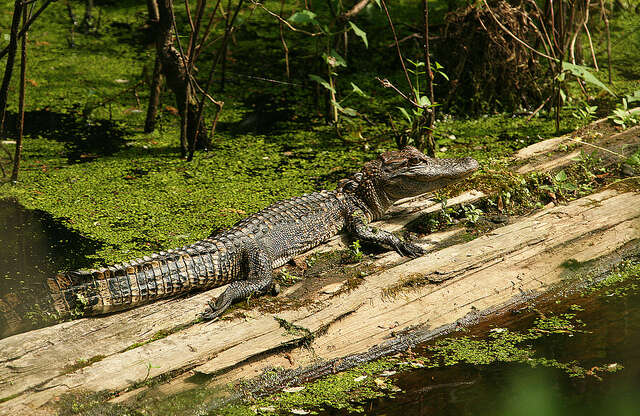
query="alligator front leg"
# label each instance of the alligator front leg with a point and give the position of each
(259, 281)
(360, 229)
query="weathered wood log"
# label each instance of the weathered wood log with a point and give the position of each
(526, 255)
(38, 366)
(30, 359)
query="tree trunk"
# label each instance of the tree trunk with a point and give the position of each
(174, 68)
(23, 75)
(154, 97)
(88, 21)
(156, 81)
(11, 58)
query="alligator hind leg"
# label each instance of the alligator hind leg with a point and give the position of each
(259, 281)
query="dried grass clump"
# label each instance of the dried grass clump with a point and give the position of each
(488, 68)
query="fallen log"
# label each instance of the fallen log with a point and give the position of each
(103, 353)
(447, 285)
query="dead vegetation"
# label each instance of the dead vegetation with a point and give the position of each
(489, 68)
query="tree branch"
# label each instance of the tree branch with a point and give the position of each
(29, 22)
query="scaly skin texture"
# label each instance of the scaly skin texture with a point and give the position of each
(246, 254)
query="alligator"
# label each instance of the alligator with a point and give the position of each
(245, 255)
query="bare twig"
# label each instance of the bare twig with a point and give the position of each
(273, 81)
(357, 8)
(544, 35)
(89, 108)
(207, 32)
(9, 155)
(593, 52)
(26, 27)
(227, 33)
(284, 42)
(621, 156)
(284, 22)
(184, 116)
(606, 24)
(406, 38)
(431, 116)
(195, 31)
(154, 96)
(395, 38)
(387, 84)
(220, 104)
(74, 24)
(539, 108)
(227, 28)
(574, 38)
(205, 93)
(189, 18)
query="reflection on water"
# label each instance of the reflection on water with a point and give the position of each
(33, 246)
(501, 389)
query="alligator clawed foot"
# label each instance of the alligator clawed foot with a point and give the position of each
(408, 249)
(215, 309)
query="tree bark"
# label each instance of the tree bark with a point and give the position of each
(23, 76)
(154, 97)
(156, 80)
(88, 21)
(174, 69)
(11, 58)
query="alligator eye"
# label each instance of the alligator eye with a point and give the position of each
(414, 161)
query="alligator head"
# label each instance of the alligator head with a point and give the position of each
(405, 173)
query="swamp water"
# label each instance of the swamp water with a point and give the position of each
(33, 246)
(608, 338)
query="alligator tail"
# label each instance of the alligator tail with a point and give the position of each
(140, 281)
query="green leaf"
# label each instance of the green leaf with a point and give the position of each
(334, 59)
(378, 3)
(360, 33)
(563, 96)
(633, 98)
(634, 159)
(424, 101)
(583, 73)
(561, 176)
(444, 75)
(406, 114)
(322, 82)
(348, 111)
(358, 91)
(304, 17)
